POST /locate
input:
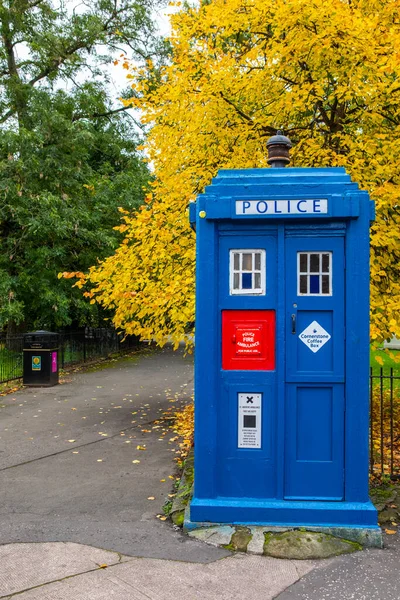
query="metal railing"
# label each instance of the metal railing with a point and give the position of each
(384, 429)
(75, 347)
(10, 357)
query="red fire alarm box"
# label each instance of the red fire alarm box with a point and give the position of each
(248, 340)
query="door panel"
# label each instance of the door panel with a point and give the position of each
(314, 406)
(314, 442)
(246, 450)
(315, 354)
(246, 472)
(326, 362)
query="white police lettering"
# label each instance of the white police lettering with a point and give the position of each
(314, 206)
(314, 336)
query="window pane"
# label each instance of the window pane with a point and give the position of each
(236, 263)
(325, 284)
(236, 281)
(303, 284)
(257, 280)
(247, 281)
(257, 265)
(325, 263)
(303, 263)
(314, 284)
(247, 262)
(314, 263)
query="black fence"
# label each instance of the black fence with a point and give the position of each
(75, 347)
(385, 423)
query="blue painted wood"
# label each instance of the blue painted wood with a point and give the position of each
(312, 467)
(207, 357)
(249, 511)
(327, 364)
(357, 356)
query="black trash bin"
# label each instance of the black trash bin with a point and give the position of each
(41, 358)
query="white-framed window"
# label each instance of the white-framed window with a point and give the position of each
(247, 271)
(314, 273)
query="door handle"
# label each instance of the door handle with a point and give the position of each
(293, 324)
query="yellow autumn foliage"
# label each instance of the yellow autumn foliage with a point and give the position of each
(326, 71)
(184, 427)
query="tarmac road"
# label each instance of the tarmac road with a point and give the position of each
(53, 486)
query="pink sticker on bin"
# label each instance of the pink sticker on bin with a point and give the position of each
(54, 362)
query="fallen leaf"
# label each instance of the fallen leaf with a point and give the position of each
(103, 566)
(390, 531)
(151, 498)
(72, 441)
(140, 448)
(135, 462)
(162, 480)
(99, 460)
(75, 452)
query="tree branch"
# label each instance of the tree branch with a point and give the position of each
(238, 110)
(98, 115)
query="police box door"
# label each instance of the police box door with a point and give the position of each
(315, 341)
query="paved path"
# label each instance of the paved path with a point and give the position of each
(76, 522)
(53, 486)
(72, 572)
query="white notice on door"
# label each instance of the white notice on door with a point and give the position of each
(314, 336)
(249, 420)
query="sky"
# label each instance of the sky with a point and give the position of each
(161, 17)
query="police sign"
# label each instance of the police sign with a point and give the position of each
(282, 207)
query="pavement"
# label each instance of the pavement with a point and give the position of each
(85, 468)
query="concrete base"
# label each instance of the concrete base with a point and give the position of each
(220, 534)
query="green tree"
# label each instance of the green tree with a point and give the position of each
(68, 155)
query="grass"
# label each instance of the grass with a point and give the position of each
(391, 359)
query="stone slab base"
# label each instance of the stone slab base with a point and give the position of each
(253, 536)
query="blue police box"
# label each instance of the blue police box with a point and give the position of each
(282, 347)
